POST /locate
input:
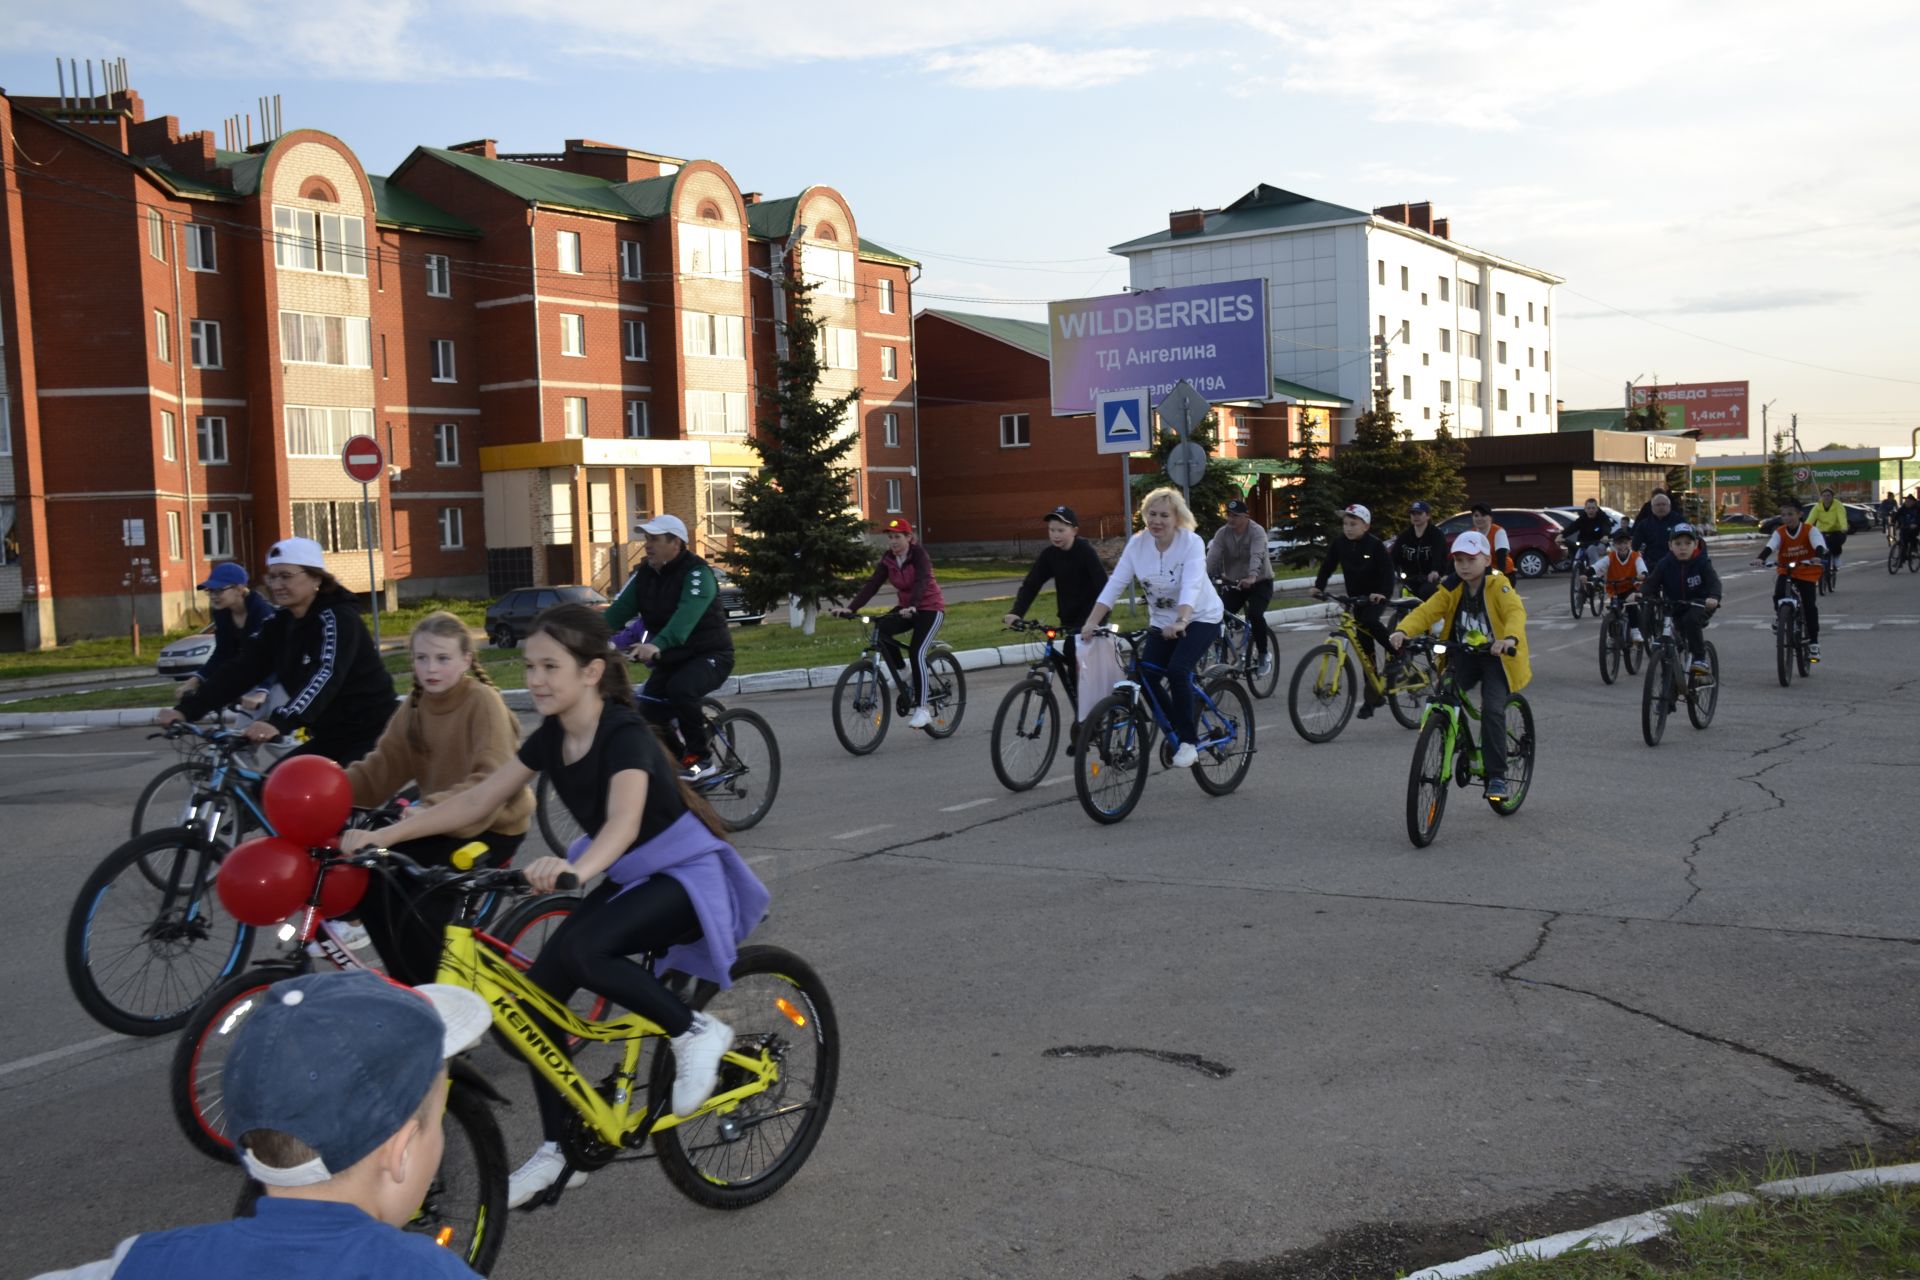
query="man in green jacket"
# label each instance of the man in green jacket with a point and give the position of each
(669, 616)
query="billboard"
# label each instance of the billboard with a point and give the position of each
(1213, 335)
(1717, 410)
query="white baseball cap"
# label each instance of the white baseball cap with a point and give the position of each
(304, 552)
(663, 524)
(1358, 512)
(1471, 543)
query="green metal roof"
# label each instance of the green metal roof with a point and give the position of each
(772, 219)
(1591, 420)
(538, 184)
(1264, 208)
(398, 207)
(880, 253)
(649, 197)
(1028, 335)
(1300, 391)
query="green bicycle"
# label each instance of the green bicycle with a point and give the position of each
(1446, 756)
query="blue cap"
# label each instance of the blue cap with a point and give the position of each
(341, 1061)
(227, 573)
(1421, 506)
(1683, 530)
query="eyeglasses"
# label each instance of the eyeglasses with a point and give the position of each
(285, 576)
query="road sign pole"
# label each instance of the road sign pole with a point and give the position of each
(1126, 495)
(366, 536)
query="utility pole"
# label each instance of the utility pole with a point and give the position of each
(1380, 349)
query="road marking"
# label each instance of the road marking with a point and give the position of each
(861, 831)
(85, 755)
(1851, 626)
(971, 804)
(1057, 779)
(54, 1055)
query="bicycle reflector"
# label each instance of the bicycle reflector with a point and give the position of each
(794, 1015)
(1053, 633)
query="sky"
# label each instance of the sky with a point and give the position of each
(1729, 189)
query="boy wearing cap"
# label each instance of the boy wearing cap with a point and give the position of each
(336, 1089)
(1420, 552)
(1368, 571)
(920, 608)
(1238, 555)
(238, 614)
(1480, 608)
(678, 626)
(1685, 576)
(1074, 567)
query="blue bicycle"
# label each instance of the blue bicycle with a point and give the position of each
(1116, 741)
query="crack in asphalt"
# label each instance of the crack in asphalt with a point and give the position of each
(1191, 1061)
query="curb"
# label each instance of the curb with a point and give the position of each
(758, 682)
(1636, 1228)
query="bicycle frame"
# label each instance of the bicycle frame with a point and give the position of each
(1347, 637)
(1451, 701)
(1143, 694)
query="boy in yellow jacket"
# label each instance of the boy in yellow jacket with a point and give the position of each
(1483, 610)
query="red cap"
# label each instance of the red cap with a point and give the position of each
(898, 524)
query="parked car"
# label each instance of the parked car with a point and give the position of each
(184, 657)
(1532, 534)
(1740, 518)
(1860, 519)
(1573, 513)
(734, 601)
(511, 616)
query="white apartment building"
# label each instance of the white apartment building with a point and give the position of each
(1469, 334)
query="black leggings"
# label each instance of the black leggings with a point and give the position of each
(673, 697)
(594, 948)
(925, 624)
(1809, 593)
(1254, 600)
(408, 927)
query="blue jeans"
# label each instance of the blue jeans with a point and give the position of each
(1179, 657)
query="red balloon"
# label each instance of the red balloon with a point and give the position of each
(265, 880)
(308, 800)
(342, 890)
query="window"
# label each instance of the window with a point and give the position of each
(1406, 331)
(709, 251)
(1469, 295)
(1446, 391)
(829, 270)
(1546, 315)
(573, 334)
(1500, 352)
(1546, 361)
(203, 337)
(1470, 394)
(839, 348)
(306, 338)
(314, 520)
(453, 529)
(162, 338)
(890, 430)
(210, 440)
(216, 535)
(317, 432)
(1403, 279)
(1470, 345)
(1533, 402)
(446, 444)
(200, 250)
(1016, 430)
(1500, 303)
(637, 426)
(1425, 360)
(1502, 397)
(1446, 339)
(1529, 357)
(573, 417)
(723, 337)
(894, 488)
(443, 360)
(6, 426)
(1380, 270)
(1406, 386)
(723, 499)
(439, 276)
(156, 234)
(167, 451)
(633, 339)
(566, 249)
(350, 529)
(1445, 286)
(886, 297)
(173, 535)
(629, 259)
(1423, 299)
(717, 413)
(1383, 326)
(890, 363)
(304, 240)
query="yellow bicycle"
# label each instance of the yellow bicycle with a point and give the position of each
(1320, 699)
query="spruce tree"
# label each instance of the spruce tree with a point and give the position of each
(799, 536)
(1207, 498)
(1378, 468)
(1307, 510)
(1446, 478)
(1776, 479)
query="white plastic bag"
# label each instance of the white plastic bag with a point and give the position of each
(1100, 670)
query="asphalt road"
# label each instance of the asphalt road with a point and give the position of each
(1668, 955)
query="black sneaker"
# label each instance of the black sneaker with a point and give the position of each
(1073, 736)
(1365, 712)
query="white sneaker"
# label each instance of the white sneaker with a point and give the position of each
(352, 934)
(1636, 637)
(921, 719)
(696, 1062)
(541, 1171)
(1184, 756)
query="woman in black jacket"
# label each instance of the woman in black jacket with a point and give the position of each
(337, 688)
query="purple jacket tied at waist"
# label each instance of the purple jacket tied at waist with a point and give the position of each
(727, 897)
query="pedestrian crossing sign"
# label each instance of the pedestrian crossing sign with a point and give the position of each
(1120, 420)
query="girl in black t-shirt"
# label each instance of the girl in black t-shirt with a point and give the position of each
(610, 771)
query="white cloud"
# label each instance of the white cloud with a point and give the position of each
(376, 40)
(1032, 66)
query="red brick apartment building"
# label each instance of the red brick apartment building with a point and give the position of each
(995, 459)
(548, 346)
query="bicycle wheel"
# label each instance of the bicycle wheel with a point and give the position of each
(732, 1158)
(525, 930)
(1026, 733)
(1573, 589)
(1320, 699)
(1802, 647)
(1111, 759)
(1227, 727)
(139, 954)
(1612, 634)
(1913, 560)
(860, 710)
(1826, 578)
(1596, 599)
(1653, 696)
(1428, 782)
(1783, 642)
(748, 777)
(1633, 656)
(557, 823)
(1407, 696)
(200, 1055)
(1520, 744)
(946, 694)
(1893, 556)
(1701, 701)
(1263, 670)
(165, 801)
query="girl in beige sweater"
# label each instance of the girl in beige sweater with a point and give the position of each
(453, 730)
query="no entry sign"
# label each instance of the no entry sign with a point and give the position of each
(363, 459)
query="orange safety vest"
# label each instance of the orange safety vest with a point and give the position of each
(1622, 576)
(1798, 557)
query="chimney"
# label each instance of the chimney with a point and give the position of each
(1440, 229)
(1392, 213)
(751, 197)
(1420, 216)
(1187, 222)
(485, 148)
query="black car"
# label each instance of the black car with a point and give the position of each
(734, 601)
(1859, 518)
(510, 617)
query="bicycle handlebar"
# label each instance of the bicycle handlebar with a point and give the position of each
(461, 871)
(1352, 602)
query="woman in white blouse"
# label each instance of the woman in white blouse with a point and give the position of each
(1169, 561)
